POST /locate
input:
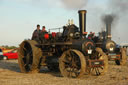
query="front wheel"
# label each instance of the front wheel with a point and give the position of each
(123, 59)
(100, 70)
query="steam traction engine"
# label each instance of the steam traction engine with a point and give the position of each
(104, 41)
(70, 52)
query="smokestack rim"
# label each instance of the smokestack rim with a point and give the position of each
(82, 11)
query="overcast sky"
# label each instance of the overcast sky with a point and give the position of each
(18, 18)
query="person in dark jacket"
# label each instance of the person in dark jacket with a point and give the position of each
(36, 34)
(43, 32)
(43, 29)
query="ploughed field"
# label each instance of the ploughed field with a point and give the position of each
(10, 75)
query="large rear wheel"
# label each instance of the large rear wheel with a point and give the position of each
(29, 56)
(72, 63)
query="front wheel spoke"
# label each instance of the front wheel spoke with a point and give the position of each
(98, 71)
(91, 70)
(101, 67)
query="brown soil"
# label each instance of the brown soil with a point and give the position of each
(10, 75)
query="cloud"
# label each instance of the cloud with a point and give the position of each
(74, 4)
(119, 6)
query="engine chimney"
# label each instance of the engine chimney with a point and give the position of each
(82, 21)
(108, 30)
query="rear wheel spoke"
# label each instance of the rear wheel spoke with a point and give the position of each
(26, 59)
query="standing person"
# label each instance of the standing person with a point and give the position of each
(43, 32)
(36, 34)
(43, 29)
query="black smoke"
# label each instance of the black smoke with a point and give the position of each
(109, 18)
(116, 17)
(116, 9)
